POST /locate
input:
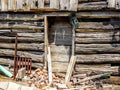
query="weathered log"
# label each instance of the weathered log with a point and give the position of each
(92, 6)
(98, 14)
(96, 69)
(38, 57)
(97, 37)
(97, 48)
(88, 30)
(21, 39)
(99, 25)
(24, 46)
(22, 27)
(98, 58)
(7, 62)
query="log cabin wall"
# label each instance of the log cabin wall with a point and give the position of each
(30, 30)
(96, 40)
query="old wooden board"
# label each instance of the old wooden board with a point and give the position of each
(73, 5)
(54, 4)
(26, 5)
(70, 69)
(33, 4)
(4, 5)
(111, 3)
(41, 3)
(11, 4)
(64, 4)
(98, 58)
(19, 4)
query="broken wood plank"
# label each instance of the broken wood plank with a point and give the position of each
(54, 4)
(49, 66)
(41, 3)
(70, 69)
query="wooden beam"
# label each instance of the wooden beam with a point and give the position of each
(98, 58)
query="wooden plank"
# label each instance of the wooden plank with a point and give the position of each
(111, 3)
(54, 4)
(73, 5)
(36, 57)
(41, 3)
(70, 69)
(26, 5)
(98, 14)
(92, 6)
(49, 66)
(19, 4)
(33, 4)
(117, 4)
(64, 4)
(98, 58)
(4, 5)
(11, 4)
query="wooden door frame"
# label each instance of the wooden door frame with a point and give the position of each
(46, 36)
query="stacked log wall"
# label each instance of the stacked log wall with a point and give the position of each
(30, 31)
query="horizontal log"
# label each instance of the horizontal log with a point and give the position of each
(92, 6)
(99, 25)
(22, 19)
(98, 14)
(24, 46)
(7, 62)
(18, 23)
(21, 16)
(21, 39)
(97, 37)
(13, 34)
(10, 53)
(97, 48)
(96, 68)
(21, 27)
(98, 58)
(88, 30)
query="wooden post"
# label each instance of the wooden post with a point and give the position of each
(46, 39)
